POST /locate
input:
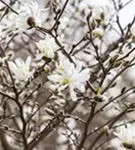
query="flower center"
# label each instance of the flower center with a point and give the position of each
(66, 81)
(127, 145)
(62, 69)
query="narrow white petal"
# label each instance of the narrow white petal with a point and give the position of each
(83, 76)
(73, 94)
(12, 66)
(55, 78)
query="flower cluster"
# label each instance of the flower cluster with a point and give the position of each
(27, 15)
(62, 68)
(21, 69)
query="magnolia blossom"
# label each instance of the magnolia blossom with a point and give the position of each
(67, 75)
(100, 14)
(46, 48)
(29, 15)
(21, 69)
(126, 136)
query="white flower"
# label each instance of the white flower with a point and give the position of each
(67, 75)
(46, 48)
(126, 135)
(97, 11)
(28, 10)
(21, 69)
(100, 14)
(29, 15)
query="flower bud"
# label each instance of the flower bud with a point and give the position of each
(31, 22)
(98, 32)
(113, 59)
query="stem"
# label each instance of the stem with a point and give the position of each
(87, 126)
